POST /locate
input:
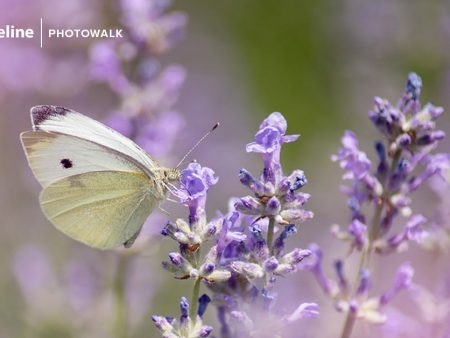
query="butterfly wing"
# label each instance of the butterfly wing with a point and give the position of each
(54, 156)
(65, 121)
(101, 209)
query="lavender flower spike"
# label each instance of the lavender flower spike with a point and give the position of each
(275, 195)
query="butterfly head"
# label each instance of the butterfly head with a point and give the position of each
(170, 174)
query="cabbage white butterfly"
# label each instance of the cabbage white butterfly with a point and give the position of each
(99, 187)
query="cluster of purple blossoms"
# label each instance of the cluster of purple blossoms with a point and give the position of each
(146, 90)
(241, 265)
(406, 159)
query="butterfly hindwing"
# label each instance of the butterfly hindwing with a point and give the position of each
(101, 209)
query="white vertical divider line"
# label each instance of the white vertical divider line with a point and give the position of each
(41, 32)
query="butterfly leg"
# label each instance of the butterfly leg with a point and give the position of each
(164, 211)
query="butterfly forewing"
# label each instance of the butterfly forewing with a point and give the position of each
(69, 122)
(101, 209)
(53, 156)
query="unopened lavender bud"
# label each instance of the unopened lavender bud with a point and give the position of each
(179, 262)
(297, 180)
(285, 269)
(413, 229)
(402, 281)
(403, 141)
(249, 181)
(278, 245)
(181, 237)
(271, 264)
(218, 276)
(296, 216)
(162, 323)
(203, 302)
(249, 205)
(176, 259)
(433, 111)
(339, 267)
(207, 269)
(413, 86)
(400, 174)
(284, 186)
(273, 206)
(182, 225)
(296, 256)
(245, 177)
(194, 273)
(184, 308)
(205, 331)
(169, 229)
(430, 138)
(211, 230)
(358, 230)
(364, 282)
(373, 184)
(381, 151)
(248, 270)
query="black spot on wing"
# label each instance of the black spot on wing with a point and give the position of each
(66, 163)
(40, 114)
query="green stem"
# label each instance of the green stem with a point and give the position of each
(270, 231)
(194, 299)
(372, 237)
(120, 323)
(348, 326)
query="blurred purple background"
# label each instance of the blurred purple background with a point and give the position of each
(319, 64)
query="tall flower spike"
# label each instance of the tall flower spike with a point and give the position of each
(406, 159)
(275, 195)
(147, 91)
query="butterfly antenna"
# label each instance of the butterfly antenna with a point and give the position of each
(196, 144)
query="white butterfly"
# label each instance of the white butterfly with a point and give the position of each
(99, 187)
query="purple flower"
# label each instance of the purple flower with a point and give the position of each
(147, 91)
(364, 283)
(196, 181)
(271, 135)
(354, 161)
(358, 231)
(315, 266)
(304, 310)
(403, 281)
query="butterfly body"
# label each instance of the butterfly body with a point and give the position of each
(99, 187)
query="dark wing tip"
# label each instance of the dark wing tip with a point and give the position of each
(40, 114)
